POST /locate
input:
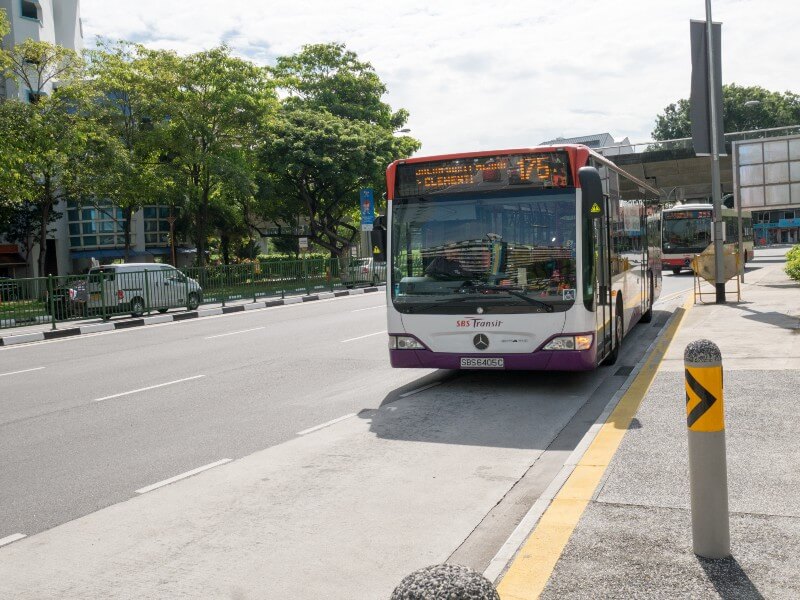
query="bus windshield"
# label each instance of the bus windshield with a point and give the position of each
(686, 233)
(503, 252)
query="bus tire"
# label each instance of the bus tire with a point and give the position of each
(137, 307)
(676, 270)
(647, 316)
(619, 327)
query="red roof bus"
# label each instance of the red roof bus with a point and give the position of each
(517, 259)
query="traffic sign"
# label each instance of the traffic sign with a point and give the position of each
(367, 205)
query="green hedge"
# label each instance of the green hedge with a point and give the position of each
(793, 263)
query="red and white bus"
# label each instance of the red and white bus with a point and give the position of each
(686, 232)
(517, 259)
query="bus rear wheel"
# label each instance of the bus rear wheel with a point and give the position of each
(647, 316)
(619, 324)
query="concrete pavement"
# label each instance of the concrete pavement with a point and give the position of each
(634, 537)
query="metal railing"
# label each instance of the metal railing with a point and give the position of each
(684, 145)
(110, 293)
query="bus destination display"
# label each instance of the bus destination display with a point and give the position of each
(544, 169)
(687, 214)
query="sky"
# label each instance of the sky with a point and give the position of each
(489, 75)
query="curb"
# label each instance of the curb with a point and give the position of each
(501, 562)
(39, 336)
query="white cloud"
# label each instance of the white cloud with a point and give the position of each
(477, 75)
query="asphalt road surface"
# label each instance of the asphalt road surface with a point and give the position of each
(96, 421)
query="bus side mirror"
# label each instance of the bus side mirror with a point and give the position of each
(591, 192)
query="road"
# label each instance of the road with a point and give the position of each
(443, 464)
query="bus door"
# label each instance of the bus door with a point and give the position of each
(604, 311)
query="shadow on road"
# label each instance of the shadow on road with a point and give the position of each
(729, 579)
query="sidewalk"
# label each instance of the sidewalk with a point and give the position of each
(45, 331)
(634, 538)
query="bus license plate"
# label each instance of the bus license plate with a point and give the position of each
(482, 363)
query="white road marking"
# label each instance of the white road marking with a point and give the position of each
(672, 296)
(211, 337)
(361, 337)
(421, 389)
(11, 538)
(324, 425)
(155, 486)
(23, 371)
(370, 308)
(144, 389)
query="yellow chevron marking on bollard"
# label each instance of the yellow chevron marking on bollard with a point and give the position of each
(704, 410)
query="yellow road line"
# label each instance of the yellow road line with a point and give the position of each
(528, 574)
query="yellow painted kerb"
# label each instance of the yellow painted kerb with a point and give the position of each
(535, 561)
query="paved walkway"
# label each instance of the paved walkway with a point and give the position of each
(634, 538)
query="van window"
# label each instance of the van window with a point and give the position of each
(108, 274)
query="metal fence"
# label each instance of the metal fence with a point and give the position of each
(109, 292)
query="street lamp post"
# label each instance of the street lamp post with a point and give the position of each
(719, 249)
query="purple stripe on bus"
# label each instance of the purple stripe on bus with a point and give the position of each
(564, 360)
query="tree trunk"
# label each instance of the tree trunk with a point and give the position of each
(127, 213)
(225, 246)
(46, 206)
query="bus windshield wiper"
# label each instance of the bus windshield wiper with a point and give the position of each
(481, 287)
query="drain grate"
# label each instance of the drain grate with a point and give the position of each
(623, 371)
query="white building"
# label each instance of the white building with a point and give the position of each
(85, 231)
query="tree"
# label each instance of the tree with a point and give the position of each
(774, 109)
(332, 136)
(216, 105)
(22, 224)
(126, 79)
(44, 158)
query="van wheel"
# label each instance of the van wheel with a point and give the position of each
(648, 315)
(162, 310)
(137, 307)
(676, 270)
(618, 329)
(192, 301)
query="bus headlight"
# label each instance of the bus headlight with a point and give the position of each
(404, 342)
(570, 342)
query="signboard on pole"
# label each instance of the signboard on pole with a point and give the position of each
(303, 243)
(699, 109)
(367, 203)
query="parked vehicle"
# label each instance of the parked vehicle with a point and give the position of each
(69, 300)
(9, 290)
(363, 271)
(138, 287)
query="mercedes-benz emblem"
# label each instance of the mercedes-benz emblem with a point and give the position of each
(481, 341)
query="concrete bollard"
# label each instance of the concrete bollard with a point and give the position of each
(438, 582)
(708, 470)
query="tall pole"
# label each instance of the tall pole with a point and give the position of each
(716, 192)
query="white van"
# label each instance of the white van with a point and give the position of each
(138, 287)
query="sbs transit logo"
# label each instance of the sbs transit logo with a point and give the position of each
(476, 322)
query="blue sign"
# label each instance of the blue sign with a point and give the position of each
(367, 203)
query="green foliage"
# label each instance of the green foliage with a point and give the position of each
(332, 136)
(793, 263)
(5, 26)
(775, 109)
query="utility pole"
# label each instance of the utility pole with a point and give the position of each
(716, 192)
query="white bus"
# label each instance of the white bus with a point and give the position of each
(517, 259)
(686, 232)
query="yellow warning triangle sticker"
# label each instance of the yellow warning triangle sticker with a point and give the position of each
(595, 208)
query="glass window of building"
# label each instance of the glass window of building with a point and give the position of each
(98, 226)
